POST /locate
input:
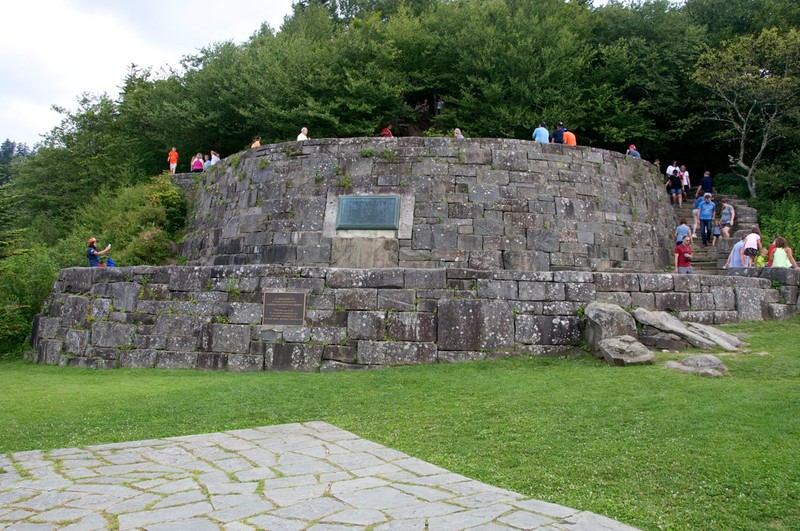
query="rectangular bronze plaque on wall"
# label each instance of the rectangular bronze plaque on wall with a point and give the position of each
(371, 212)
(285, 308)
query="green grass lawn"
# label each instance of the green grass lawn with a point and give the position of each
(647, 446)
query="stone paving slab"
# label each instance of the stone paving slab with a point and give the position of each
(310, 476)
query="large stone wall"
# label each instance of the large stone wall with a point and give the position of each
(478, 203)
(210, 317)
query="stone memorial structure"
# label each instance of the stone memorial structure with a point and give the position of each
(336, 254)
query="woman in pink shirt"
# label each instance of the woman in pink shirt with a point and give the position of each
(751, 247)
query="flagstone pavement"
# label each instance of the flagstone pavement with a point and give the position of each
(311, 476)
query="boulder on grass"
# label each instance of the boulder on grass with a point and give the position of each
(624, 350)
(604, 321)
(723, 339)
(703, 365)
(669, 323)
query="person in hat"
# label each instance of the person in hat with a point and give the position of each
(707, 215)
(633, 152)
(93, 254)
(558, 134)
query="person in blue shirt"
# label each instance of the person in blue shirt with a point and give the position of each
(633, 152)
(707, 215)
(735, 258)
(541, 134)
(93, 254)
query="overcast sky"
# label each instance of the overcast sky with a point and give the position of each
(51, 51)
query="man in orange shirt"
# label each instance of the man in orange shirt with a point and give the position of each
(569, 138)
(172, 158)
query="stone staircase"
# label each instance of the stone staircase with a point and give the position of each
(710, 260)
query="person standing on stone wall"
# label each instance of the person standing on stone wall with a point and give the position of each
(569, 138)
(172, 159)
(558, 134)
(541, 134)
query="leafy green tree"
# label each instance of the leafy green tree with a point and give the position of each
(755, 83)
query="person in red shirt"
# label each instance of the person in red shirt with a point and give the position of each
(569, 138)
(387, 131)
(172, 158)
(683, 257)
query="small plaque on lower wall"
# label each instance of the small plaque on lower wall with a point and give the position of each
(284, 308)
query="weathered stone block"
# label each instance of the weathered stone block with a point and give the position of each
(623, 351)
(48, 327)
(653, 282)
(245, 362)
(541, 291)
(77, 342)
(177, 325)
(76, 279)
(295, 357)
(334, 366)
(673, 301)
(411, 326)
(365, 278)
(396, 299)
(548, 330)
(455, 356)
(616, 281)
(244, 312)
(366, 325)
(425, 278)
(620, 298)
(643, 300)
(137, 358)
(124, 296)
(395, 353)
(105, 334)
(526, 260)
(167, 359)
(474, 325)
(344, 354)
(357, 299)
(497, 289)
(74, 311)
(297, 334)
(702, 301)
(329, 334)
(230, 338)
(751, 304)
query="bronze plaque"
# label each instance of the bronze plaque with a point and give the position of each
(368, 212)
(285, 308)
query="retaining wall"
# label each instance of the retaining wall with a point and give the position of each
(210, 317)
(477, 203)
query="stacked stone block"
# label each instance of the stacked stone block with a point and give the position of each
(209, 317)
(479, 203)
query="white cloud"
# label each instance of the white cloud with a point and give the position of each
(52, 51)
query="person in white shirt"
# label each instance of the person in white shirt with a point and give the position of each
(214, 157)
(685, 181)
(671, 168)
(303, 134)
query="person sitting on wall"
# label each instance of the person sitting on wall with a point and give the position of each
(303, 134)
(214, 157)
(541, 134)
(93, 254)
(256, 142)
(783, 256)
(633, 152)
(387, 131)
